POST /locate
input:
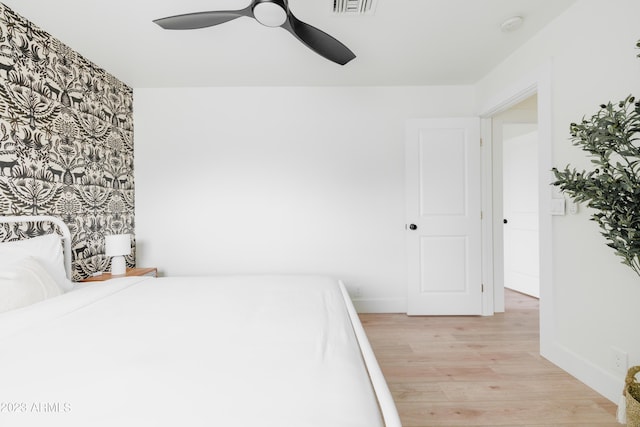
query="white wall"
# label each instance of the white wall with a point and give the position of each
(595, 298)
(290, 180)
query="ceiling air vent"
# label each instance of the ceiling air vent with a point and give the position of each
(354, 7)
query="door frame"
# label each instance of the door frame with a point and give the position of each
(538, 81)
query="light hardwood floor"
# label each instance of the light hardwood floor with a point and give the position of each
(479, 371)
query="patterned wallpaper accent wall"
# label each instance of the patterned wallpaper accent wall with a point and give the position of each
(66, 141)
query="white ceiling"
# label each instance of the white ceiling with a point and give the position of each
(406, 42)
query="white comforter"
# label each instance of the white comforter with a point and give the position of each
(234, 351)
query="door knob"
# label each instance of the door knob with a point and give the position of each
(413, 227)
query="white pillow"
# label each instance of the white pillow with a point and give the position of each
(47, 250)
(25, 282)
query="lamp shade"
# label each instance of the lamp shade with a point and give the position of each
(117, 244)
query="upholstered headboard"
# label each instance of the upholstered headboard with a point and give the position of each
(60, 227)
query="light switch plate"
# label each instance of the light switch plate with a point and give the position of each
(573, 207)
(558, 206)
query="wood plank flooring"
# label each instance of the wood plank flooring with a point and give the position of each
(479, 371)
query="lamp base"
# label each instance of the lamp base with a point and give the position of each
(118, 266)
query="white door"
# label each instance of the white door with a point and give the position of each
(443, 216)
(520, 208)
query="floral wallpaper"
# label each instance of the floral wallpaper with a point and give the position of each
(66, 142)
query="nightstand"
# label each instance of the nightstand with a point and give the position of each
(151, 272)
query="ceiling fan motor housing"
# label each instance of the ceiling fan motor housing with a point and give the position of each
(271, 13)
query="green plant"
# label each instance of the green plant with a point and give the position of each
(612, 188)
(612, 138)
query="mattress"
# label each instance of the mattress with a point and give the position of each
(191, 351)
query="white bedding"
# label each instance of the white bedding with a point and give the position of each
(201, 351)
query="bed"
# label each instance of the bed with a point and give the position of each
(228, 351)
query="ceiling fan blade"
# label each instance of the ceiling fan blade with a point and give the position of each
(318, 41)
(192, 21)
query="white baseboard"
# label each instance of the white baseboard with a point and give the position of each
(594, 376)
(380, 305)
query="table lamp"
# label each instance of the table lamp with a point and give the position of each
(116, 246)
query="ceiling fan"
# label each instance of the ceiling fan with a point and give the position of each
(272, 13)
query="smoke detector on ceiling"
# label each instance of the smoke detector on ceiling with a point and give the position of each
(511, 24)
(354, 7)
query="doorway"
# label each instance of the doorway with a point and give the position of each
(535, 82)
(520, 208)
(516, 189)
